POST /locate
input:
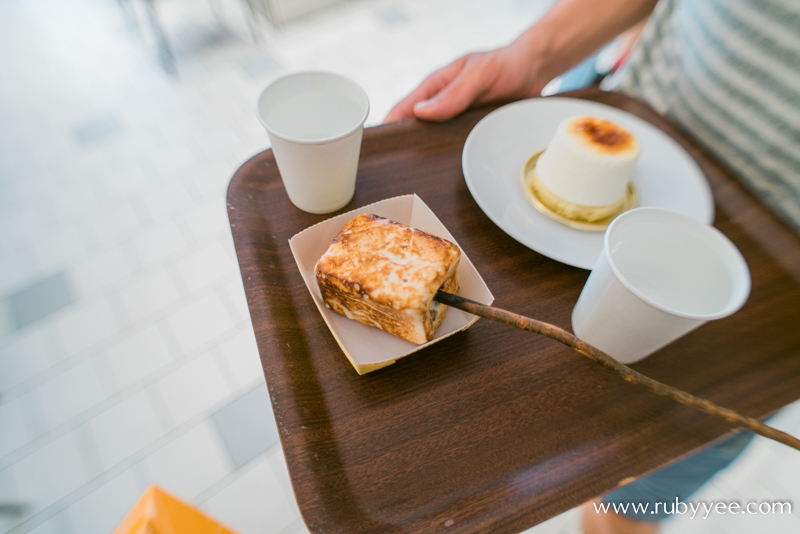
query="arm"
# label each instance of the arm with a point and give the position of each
(567, 34)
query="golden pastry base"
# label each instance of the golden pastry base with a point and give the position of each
(528, 178)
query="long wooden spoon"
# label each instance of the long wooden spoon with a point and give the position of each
(562, 336)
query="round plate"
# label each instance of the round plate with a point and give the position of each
(665, 176)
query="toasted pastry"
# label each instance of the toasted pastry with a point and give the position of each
(385, 274)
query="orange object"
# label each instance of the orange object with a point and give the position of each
(158, 512)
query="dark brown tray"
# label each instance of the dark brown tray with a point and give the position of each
(494, 429)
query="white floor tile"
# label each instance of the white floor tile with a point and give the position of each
(8, 491)
(57, 246)
(114, 222)
(733, 524)
(24, 357)
(205, 265)
(212, 181)
(94, 273)
(58, 524)
(199, 322)
(32, 413)
(69, 394)
(13, 433)
(779, 489)
(296, 527)
(171, 197)
(277, 464)
(124, 429)
(783, 482)
(235, 291)
(149, 294)
(48, 474)
(85, 324)
(7, 322)
(566, 523)
(240, 354)
(254, 503)
(196, 387)
(158, 242)
(137, 356)
(118, 184)
(103, 509)
(74, 203)
(12, 273)
(26, 230)
(7, 523)
(191, 463)
(207, 219)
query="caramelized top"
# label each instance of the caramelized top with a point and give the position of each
(390, 263)
(601, 136)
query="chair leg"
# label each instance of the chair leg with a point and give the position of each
(252, 20)
(216, 9)
(164, 49)
(131, 24)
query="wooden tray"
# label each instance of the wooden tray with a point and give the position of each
(494, 429)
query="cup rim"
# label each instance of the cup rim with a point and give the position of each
(739, 295)
(323, 140)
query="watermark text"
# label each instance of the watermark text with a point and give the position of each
(693, 509)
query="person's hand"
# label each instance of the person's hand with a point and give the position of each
(566, 35)
(504, 74)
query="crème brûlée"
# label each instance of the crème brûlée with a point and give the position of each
(584, 172)
(385, 274)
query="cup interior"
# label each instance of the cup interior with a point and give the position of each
(312, 107)
(677, 264)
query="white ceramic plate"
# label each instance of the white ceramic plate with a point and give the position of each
(665, 175)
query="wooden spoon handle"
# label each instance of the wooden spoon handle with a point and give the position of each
(562, 336)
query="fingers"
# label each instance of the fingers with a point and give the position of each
(405, 108)
(468, 86)
(427, 90)
(401, 110)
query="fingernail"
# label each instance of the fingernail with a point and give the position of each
(423, 103)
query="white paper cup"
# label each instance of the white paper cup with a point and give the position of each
(315, 121)
(660, 275)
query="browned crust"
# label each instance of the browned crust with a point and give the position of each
(385, 274)
(602, 136)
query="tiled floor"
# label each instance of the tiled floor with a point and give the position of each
(126, 353)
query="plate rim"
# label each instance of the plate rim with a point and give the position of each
(565, 258)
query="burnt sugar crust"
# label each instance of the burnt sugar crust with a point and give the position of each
(601, 136)
(385, 274)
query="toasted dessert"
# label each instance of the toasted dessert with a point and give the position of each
(585, 171)
(385, 274)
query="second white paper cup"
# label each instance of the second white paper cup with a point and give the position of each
(660, 275)
(315, 121)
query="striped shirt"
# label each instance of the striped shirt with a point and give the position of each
(728, 71)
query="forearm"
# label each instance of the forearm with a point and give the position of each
(574, 29)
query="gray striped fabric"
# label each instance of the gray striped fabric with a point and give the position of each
(728, 71)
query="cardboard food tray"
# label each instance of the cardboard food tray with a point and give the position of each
(368, 348)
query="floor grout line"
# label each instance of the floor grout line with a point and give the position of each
(120, 335)
(66, 427)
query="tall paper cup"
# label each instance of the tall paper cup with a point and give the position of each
(660, 275)
(315, 121)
